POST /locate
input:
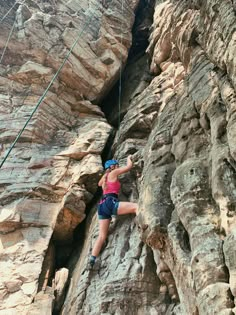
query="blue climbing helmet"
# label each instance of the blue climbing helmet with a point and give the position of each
(109, 163)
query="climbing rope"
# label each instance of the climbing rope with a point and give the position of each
(45, 92)
(3, 18)
(8, 39)
(54, 78)
(120, 76)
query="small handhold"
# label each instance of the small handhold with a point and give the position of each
(104, 4)
(144, 227)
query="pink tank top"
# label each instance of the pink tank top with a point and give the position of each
(112, 188)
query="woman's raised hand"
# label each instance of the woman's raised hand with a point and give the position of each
(129, 160)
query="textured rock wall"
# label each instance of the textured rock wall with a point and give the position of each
(189, 162)
(52, 172)
(178, 103)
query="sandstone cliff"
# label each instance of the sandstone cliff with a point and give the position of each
(174, 110)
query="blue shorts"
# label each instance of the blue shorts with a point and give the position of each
(107, 207)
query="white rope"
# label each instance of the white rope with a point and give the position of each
(121, 66)
(3, 18)
(8, 39)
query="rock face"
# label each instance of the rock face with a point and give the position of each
(52, 172)
(177, 119)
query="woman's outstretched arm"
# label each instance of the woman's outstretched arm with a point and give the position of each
(121, 170)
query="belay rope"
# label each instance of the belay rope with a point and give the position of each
(8, 39)
(12, 29)
(56, 75)
(8, 12)
(120, 77)
(46, 91)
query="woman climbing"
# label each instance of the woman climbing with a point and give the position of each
(109, 205)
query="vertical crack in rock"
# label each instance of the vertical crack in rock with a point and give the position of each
(177, 118)
(52, 173)
(120, 272)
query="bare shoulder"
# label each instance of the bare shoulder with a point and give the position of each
(112, 176)
(121, 170)
(101, 181)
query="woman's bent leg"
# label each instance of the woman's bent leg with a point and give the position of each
(103, 231)
(127, 207)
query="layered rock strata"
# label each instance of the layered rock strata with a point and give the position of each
(52, 172)
(178, 121)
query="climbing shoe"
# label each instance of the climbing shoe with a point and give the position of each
(92, 260)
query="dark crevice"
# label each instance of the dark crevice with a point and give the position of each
(107, 152)
(67, 255)
(79, 232)
(183, 237)
(140, 33)
(48, 268)
(141, 29)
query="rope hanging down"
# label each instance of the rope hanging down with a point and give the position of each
(45, 92)
(3, 18)
(120, 77)
(56, 75)
(8, 39)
